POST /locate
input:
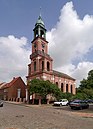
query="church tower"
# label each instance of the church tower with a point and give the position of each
(41, 63)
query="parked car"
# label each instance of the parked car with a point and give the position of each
(61, 102)
(90, 100)
(1, 103)
(79, 104)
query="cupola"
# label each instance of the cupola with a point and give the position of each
(39, 30)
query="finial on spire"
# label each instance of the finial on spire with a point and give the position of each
(40, 10)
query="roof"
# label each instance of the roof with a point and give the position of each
(40, 21)
(62, 75)
(7, 85)
(2, 85)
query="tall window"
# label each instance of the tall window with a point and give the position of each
(42, 65)
(35, 66)
(62, 87)
(57, 83)
(43, 50)
(48, 66)
(29, 70)
(66, 87)
(71, 88)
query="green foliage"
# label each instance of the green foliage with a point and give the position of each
(44, 88)
(90, 75)
(66, 95)
(85, 90)
(83, 84)
(87, 83)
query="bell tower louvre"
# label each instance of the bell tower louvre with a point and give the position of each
(41, 62)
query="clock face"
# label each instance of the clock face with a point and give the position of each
(34, 45)
(43, 45)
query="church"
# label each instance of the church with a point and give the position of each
(41, 66)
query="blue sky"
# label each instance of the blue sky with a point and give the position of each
(69, 27)
(19, 16)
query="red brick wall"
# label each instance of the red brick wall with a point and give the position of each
(13, 90)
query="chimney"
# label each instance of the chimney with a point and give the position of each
(13, 78)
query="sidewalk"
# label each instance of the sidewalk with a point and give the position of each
(27, 105)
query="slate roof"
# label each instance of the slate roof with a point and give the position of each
(63, 75)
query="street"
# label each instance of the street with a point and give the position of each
(14, 116)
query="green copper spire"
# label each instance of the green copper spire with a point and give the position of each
(40, 30)
(40, 21)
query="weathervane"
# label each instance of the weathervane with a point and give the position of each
(40, 10)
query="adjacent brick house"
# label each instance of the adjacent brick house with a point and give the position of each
(41, 62)
(15, 90)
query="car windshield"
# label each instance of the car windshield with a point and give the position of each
(63, 100)
(76, 102)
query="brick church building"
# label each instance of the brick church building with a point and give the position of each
(41, 66)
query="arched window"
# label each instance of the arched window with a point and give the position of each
(66, 87)
(62, 87)
(43, 50)
(35, 66)
(48, 66)
(57, 83)
(29, 70)
(71, 89)
(42, 65)
(42, 34)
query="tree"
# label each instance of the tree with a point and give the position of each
(85, 90)
(83, 84)
(87, 83)
(90, 75)
(43, 88)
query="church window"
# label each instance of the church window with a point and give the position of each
(42, 65)
(62, 87)
(66, 87)
(29, 70)
(42, 34)
(57, 83)
(71, 88)
(35, 66)
(43, 50)
(48, 66)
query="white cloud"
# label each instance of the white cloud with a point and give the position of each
(14, 57)
(81, 71)
(70, 40)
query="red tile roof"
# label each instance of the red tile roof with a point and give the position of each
(7, 85)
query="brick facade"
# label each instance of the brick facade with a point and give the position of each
(9, 91)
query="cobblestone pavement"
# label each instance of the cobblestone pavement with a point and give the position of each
(44, 117)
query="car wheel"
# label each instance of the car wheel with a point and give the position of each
(87, 107)
(67, 104)
(72, 108)
(1, 105)
(81, 108)
(61, 105)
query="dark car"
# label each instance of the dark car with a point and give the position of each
(79, 104)
(1, 103)
(90, 100)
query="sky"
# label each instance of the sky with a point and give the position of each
(69, 27)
